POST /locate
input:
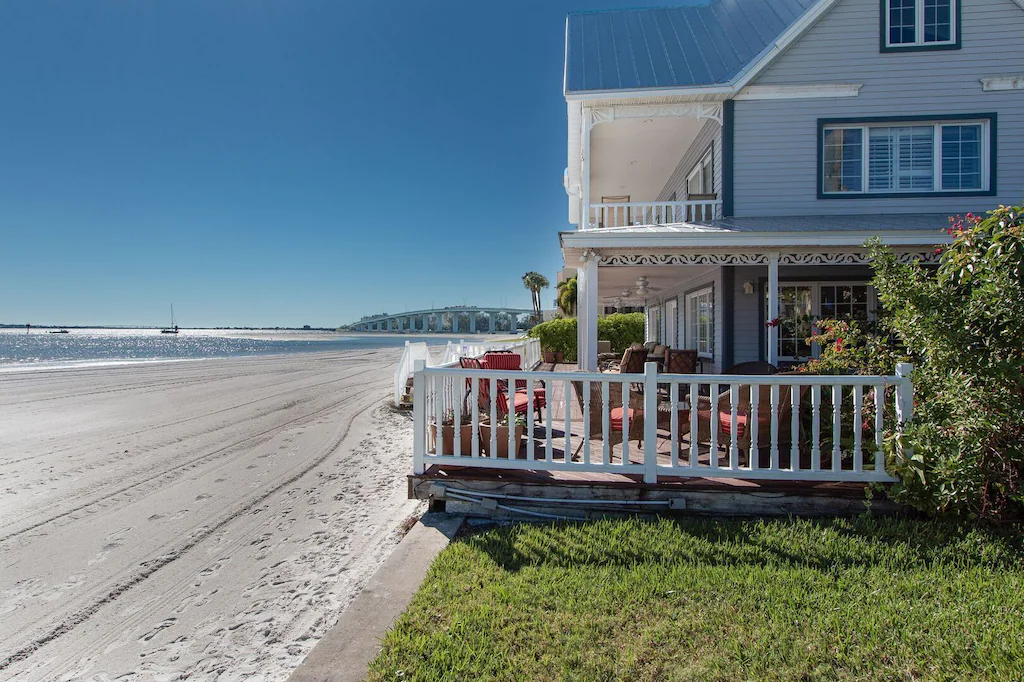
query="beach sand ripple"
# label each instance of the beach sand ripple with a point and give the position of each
(201, 520)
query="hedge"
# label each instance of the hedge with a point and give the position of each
(621, 329)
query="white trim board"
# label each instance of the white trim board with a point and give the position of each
(997, 83)
(810, 91)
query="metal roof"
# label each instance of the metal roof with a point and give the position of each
(699, 43)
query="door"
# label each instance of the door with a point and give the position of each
(672, 323)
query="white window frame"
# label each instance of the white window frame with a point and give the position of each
(707, 184)
(816, 306)
(672, 322)
(936, 126)
(692, 340)
(919, 26)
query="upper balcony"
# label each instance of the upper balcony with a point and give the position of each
(644, 164)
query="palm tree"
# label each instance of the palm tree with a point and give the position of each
(567, 297)
(534, 281)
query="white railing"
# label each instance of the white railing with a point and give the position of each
(412, 353)
(527, 348)
(783, 427)
(653, 213)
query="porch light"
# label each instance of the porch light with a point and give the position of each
(748, 287)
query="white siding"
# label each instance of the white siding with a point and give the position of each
(775, 158)
(709, 135)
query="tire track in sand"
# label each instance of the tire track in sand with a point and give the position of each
(151, 567)
(184, 465)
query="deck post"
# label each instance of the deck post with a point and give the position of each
(419, 414)
(586, 312)
(650, 422)
(773, 308)
(904, 401)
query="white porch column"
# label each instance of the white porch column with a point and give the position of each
(588, 124)
(773, 307)
(586, 312)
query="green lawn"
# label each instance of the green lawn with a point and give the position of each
(862, 599)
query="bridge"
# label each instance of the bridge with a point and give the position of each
(466, 319)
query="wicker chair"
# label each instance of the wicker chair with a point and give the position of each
(595, 427)
(743, 426)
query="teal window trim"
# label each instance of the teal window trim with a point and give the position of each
(990, 118)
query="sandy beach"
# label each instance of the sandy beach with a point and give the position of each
(201, 520)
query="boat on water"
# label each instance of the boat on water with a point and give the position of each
(173, 329)
(59, 331)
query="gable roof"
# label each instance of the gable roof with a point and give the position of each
(700, 43)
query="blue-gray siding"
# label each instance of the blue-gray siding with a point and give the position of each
(710, 134)
(775, 158)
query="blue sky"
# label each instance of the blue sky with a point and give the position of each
(277, 163)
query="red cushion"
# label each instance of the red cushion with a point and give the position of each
(616, 417)
(725, 419)
(502, 361)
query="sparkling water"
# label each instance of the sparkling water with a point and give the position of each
(40, 348)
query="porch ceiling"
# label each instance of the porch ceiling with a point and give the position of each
(636, 156)
(613, 279)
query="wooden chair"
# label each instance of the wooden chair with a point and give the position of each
(595, 427)
(680, 361)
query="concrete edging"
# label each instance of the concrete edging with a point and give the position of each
(344, 653)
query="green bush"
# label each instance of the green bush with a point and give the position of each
(557, 336)
(621, 329)
(964, 327)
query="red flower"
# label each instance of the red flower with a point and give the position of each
(772, 323)
(839, 344)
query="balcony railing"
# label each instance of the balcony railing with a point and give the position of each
(629, 214)
(796, 427)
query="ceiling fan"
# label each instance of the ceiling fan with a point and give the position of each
(643, 286)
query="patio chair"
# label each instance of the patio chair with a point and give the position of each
(680, 361)
(507, 360)
(743, 425)
(633, 360)
(520, 400)
(595, 427)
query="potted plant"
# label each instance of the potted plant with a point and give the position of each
(448, 434)
(501, 434)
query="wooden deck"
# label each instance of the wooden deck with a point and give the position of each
(579, 494)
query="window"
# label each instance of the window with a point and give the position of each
(801, 304)
(920, 24)
(700, 322)
(916, 158)
(701, 179)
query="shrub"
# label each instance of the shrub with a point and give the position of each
(964, 326)
(557, 335)
(621, 329)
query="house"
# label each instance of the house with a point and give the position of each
(727, 159)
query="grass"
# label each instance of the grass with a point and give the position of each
(861, 599)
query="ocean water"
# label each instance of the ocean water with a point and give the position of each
(40, 349)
